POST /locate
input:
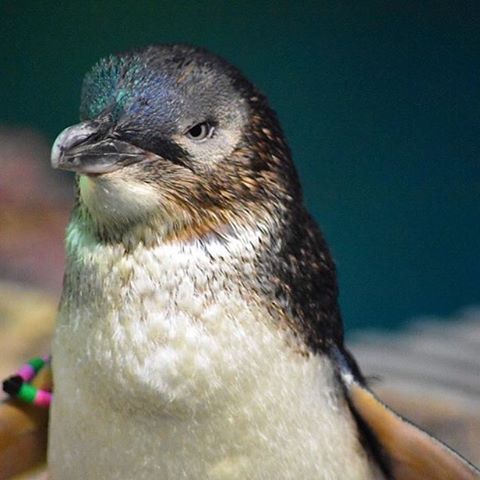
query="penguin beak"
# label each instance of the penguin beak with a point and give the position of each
(83, 148)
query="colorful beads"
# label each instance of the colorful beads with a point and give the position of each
(18, 385)
(32, 367)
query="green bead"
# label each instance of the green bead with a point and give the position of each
(27, 393)
(36, 363)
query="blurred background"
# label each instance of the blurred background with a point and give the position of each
(380, 103)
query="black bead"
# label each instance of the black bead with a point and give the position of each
(12, 385)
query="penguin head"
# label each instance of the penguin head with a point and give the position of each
(175, 135)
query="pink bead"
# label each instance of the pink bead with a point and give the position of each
(43, 398)
(26, 372)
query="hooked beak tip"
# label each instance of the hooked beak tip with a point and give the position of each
(67, 139)
(56, 153)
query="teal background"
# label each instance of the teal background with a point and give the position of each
(379, 101)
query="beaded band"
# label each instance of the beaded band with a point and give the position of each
(19, 385)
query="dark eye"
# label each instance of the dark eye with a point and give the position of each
(200, 132)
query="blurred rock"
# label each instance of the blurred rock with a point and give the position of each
(34, 206)
(26, 325)
(431, 375)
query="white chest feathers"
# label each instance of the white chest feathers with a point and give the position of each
(166, 368)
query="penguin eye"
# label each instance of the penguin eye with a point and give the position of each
(200, 132)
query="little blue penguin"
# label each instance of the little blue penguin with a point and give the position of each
(199, 334)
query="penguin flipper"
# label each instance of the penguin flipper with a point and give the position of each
(24, 431)
(409, 452)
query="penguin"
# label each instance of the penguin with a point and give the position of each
(199, 334)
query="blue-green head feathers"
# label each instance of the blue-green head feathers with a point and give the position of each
(162, 87)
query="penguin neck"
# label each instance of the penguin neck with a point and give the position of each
(210, 226)
(147, 255)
